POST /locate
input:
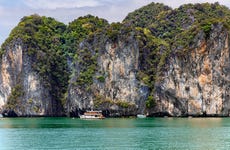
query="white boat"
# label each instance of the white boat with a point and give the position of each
(1, 116)
(92, 115)
(141, 116)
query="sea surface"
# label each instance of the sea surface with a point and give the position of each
(117, 134)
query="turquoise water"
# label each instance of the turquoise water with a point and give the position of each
(118, 134)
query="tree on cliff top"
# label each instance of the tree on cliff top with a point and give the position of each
(80, 29)
(146, 15)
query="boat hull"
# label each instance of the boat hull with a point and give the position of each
(141, 116)
(91, 117)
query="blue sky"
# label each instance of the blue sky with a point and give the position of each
(11, 11)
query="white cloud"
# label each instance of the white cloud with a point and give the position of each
(55, 4)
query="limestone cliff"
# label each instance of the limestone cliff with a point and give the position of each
(34, 72)
(22, 91)
(114, 88)
(194, 82)
(197, 83)
(176, 64)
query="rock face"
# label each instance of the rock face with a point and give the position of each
(115, 88)
(22, 90)
(164, 62)
(194, 83)
(197, 83)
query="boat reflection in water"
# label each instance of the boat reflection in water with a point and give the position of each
(92, 115)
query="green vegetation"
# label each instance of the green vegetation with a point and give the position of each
(117, 31)
(163, 32)
(14, 98)
(80, 29)
(124, 104)
(84, 28)
(87, 54)
(101, 78)
(87, 64)
(113, 31)
(153, 54)
(186, 20)
(30, 101)
(102, 101)
(146, 15)
(36, 109)
(150, 102)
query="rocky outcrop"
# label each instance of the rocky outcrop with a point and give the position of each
(22, 91)
(194, 81)
(115, 88)
(164, 62)
(197, 82)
